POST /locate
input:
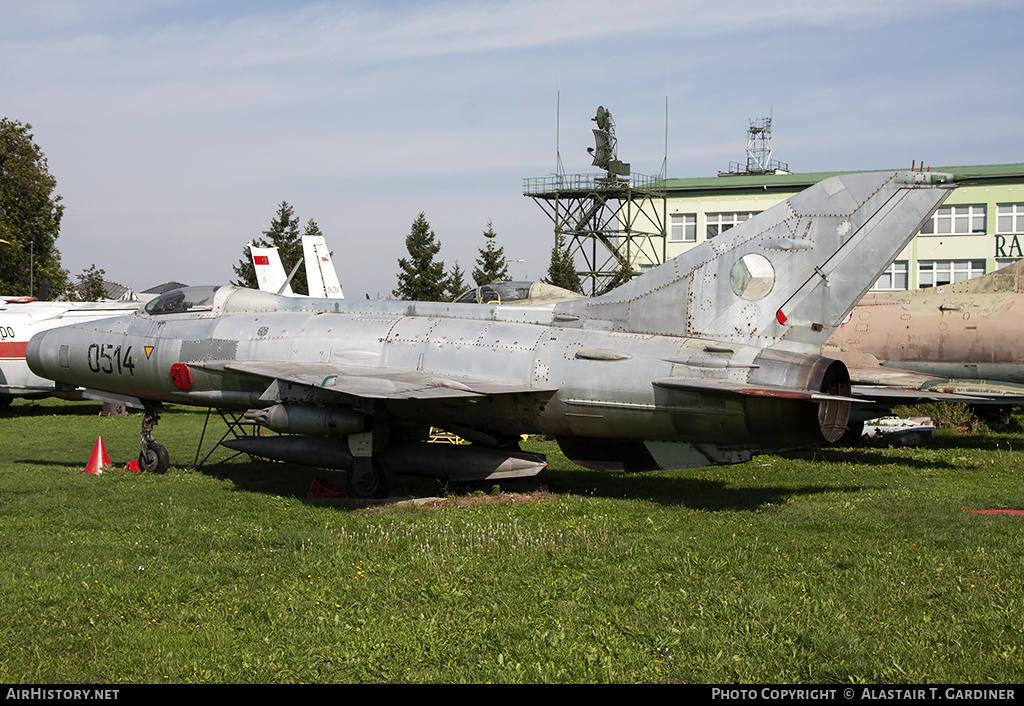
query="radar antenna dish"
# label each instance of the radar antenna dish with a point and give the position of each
(606, 149)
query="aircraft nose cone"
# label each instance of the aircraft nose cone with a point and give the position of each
(37, 352)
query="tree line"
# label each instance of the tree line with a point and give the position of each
(30, 216)
(422, 277)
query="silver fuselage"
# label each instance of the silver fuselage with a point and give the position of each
(573, 382)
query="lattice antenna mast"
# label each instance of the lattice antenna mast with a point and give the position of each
(759, 151)
(759, 145)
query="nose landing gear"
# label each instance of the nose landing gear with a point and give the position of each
(154, 457)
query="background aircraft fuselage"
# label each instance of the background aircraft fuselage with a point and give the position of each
(970, 330)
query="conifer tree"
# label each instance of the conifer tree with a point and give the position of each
(311, 229)
(456, 282)
(562, 270)
(490, 265)
(421, 277)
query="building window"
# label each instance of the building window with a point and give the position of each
(956, 220)
(718, 223)
(1010, 218)
(893, 279)
(683, 228)
(932, 273)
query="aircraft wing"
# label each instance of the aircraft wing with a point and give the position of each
(872, 385)
(868, 378)
(738, 388)
(897, 386)
(382, 383)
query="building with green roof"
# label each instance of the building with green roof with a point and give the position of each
(980, 228)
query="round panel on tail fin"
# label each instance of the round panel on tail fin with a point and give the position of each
(752, 277)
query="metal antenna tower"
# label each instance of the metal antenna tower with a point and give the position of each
(612, 222)
(759, 151)
(759, 145)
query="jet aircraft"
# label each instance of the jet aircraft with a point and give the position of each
(20, 319)
(972, 329)
(518, 292)
(964, 337)
(706, 359)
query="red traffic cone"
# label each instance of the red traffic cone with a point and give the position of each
(98, 460)
(323, 488)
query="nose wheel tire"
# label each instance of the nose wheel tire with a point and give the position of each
(154, 458)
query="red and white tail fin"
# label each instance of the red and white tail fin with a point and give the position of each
(320, 274)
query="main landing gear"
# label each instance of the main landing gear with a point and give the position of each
(368, 479)
(154, 457)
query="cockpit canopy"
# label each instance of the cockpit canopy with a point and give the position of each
(224, 299)
(180, 301)
(516, 292)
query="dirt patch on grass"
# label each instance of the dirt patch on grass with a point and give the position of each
(502, 499)
(460, 501)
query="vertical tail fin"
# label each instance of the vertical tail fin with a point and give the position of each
(320, 274)
(269, 271)
(785, 277)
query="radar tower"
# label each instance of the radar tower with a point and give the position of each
(614, 222)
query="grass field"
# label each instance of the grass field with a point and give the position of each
(830, 565)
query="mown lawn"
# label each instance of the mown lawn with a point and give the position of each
(829, 565)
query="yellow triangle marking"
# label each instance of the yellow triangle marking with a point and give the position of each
(149, 351)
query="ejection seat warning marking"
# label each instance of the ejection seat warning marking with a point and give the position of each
(149, 351)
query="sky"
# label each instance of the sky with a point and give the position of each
(176, 128)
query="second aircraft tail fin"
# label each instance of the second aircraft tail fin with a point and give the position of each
(320, 273)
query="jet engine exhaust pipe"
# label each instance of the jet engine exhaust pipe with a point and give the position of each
(826, 421)
(302, 419)
(834, 414)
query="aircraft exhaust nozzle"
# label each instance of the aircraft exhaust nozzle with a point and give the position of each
(301, 419)
(830, 381)
(834, 414)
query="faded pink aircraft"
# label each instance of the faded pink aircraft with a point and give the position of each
(966, 338)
